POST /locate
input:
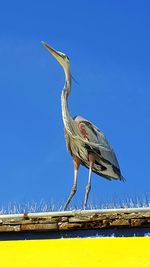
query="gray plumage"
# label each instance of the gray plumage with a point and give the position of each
(87, 144)
(106, 163)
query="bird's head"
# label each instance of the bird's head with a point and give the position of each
(61, 58)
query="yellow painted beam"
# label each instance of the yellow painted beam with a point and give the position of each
(77, 252)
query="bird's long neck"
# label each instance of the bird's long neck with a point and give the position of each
(67, 118)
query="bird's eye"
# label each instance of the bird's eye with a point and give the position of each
(67, 58)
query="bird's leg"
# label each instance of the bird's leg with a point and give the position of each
(92, 158)
(76, 162)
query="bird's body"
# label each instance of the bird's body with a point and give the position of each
(91, 139)
(87, 144)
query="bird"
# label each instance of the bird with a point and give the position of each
(87, 144)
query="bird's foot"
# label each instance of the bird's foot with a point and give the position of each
(88, 188)
(73, 191)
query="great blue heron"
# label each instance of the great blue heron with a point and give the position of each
(86, 143)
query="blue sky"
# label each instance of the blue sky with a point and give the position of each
(108, 43)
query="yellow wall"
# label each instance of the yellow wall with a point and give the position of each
(77, 252)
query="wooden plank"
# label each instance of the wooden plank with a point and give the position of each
(9, 228)
(92, 219)
(38, 227)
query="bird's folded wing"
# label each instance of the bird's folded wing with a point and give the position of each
(98, 143)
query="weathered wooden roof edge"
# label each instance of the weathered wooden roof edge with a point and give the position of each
(76, 219)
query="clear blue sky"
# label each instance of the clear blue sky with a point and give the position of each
(108, 43)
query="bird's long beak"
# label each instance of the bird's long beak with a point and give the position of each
(55, 53)
(61, 59)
